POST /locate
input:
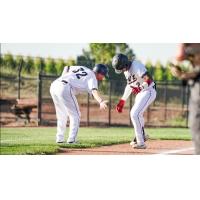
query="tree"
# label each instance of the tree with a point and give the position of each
(29, 65)
(125, 49)
(70, 62)
(85, 60)
(8, 61)
(59, 64)
(1, 60)
(50, 66)
(168, 74)
(150, 68)
(158, 72)
(104, 52)
(19, 60)
(39, 64)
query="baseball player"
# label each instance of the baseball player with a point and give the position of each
(191, 52)
(74, 80)
(140, 83)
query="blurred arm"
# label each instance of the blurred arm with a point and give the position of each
(127, 92)
(185, 75)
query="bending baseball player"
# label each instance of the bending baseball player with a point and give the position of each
(74, 80)
(142, 85)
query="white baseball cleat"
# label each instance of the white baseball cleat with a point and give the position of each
(146, 137)
(72, 141)
(138, 146)
(59, 141)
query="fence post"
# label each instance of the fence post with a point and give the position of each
(183, 97)
(19, 79)
(165, 96)
(130, 106)
(88, 110)
(110, 101)
(187, 94)
(39, 103)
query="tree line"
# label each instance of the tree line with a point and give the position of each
(97, 53)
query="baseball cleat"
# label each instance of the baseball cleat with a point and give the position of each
(59, 141)
(139, 146)
(146, 137)
(72, 142)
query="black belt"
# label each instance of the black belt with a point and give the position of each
(64, 81)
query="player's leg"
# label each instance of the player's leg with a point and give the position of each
(74, 115)
(142, 101)
(61, 111)
(194, 116)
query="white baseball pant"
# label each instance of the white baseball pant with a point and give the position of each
(66, 105)
(142, 101)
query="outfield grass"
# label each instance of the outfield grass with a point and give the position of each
(18, 141)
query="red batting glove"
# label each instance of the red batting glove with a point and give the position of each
(136, 90)
(120, 106)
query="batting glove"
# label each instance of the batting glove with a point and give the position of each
(120, 106)
(136, 90)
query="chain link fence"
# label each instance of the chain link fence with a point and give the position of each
(169, 110)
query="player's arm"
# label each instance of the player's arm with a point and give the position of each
(65, 70)
(147, 80)
(125, 96)
(177, 72)
(101, 102)
(127, 92)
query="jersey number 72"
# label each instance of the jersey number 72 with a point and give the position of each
(80, 72)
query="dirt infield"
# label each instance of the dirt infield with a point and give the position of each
(171, 147)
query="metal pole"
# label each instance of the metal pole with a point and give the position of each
(39, 99)
(165, 96)
(110, 106)
(88, 110)
(130, 106)
(187, 94)
(183, 97)
(19, 78)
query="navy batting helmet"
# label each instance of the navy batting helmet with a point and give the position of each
(120, 62)
(101, 69)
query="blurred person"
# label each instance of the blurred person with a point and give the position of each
(140, 83)
(191, 53)
(74, 80)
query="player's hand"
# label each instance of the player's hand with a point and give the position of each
(103, 105)
(120, 106)
(136, 90)
(175, 70)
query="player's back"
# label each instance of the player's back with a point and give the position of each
(79, 77)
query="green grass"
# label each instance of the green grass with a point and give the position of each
(19, 141)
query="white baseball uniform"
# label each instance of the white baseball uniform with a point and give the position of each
(74, 80)
(143, 99)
